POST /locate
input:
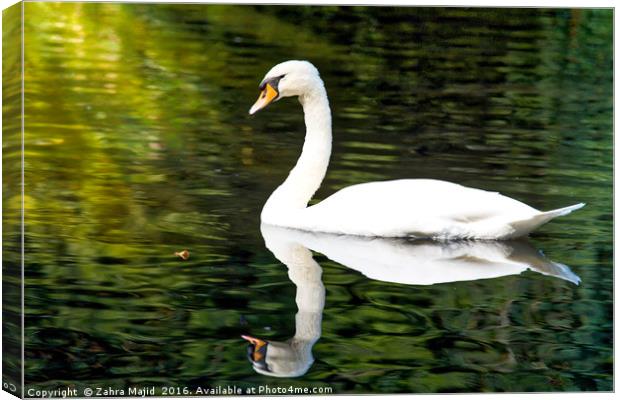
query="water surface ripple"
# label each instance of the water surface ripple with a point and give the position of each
(138, 145)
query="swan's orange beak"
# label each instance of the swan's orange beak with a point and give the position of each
(267, 95)
(254, 341)
(258, 345)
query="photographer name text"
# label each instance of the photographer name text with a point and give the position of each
(152, 391)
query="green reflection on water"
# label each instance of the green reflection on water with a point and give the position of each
(138, 144)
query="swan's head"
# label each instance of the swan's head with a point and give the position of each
(290, 78)
(279, 359)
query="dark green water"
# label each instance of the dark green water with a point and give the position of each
(138, 144)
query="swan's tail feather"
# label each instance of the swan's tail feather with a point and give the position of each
(551, 268)
(525, 226)
(563, 211)
(561, 271)
(525, 253)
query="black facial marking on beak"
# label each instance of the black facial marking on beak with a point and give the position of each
(273, 82)
(268, 94)
(258, 357)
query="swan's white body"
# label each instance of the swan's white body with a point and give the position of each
(423, 208)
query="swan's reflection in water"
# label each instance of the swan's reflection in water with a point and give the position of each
(383, 259)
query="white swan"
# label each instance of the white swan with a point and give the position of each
(417, 262)
(400, 208)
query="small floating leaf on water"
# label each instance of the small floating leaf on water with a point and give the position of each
(183, 254)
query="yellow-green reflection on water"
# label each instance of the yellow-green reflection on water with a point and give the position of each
(138, 144)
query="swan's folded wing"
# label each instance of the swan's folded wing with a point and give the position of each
(412, 207)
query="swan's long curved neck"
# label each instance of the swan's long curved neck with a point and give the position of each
(307, 175)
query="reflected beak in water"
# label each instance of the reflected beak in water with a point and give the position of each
(267, 95)
(258, 350)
